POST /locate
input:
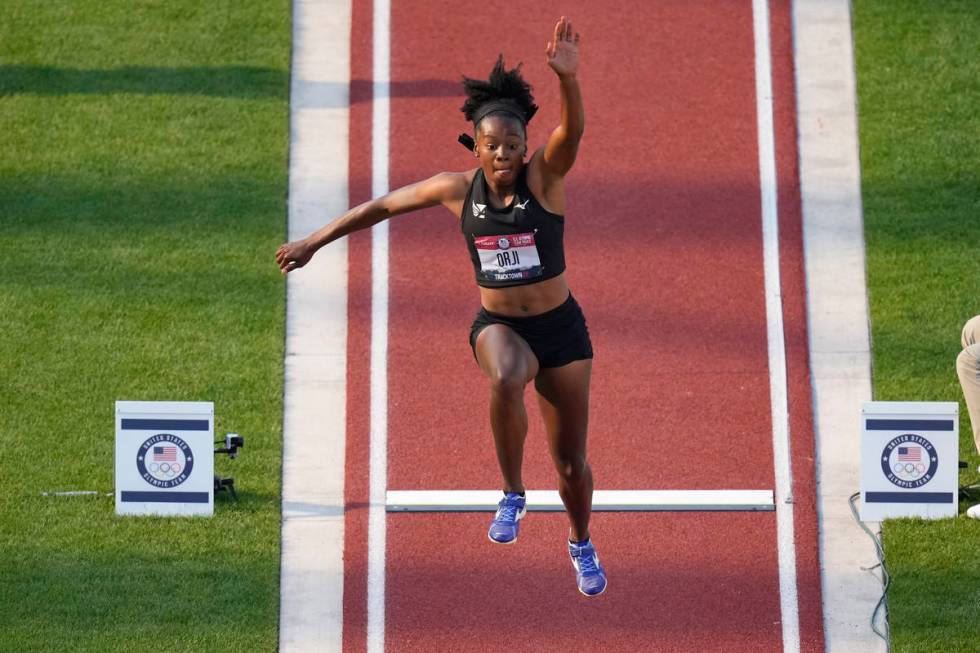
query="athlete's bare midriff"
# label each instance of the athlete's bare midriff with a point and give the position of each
(526, 300)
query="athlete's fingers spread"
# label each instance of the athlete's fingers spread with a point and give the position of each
(559, 29)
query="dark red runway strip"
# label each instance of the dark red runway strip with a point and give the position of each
(356, 463)
(793, 276)
(663, 242)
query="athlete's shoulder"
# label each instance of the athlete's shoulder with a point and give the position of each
(535, 164)
(547, 189)
(452, 185)
(468, 176)
(533, 168)
(452, 188)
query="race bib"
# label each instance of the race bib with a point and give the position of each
(503, 258)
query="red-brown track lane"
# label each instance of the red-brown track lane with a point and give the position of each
(357, 450)
(663, 242)
(793, 276)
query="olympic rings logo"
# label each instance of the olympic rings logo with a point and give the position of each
(164, 460)
(908, 469)
(164, 469)
(909, 461)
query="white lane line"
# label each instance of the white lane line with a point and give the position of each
(788, 600)
(379, 335)
(314, 392)
(602, 500)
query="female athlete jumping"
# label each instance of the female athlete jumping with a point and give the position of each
(529, 327)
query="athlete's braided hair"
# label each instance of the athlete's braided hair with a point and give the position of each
(504, 92)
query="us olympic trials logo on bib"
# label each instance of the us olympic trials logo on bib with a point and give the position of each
(165, 460)
(909, 461)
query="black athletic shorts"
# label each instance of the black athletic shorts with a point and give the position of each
(557, 337)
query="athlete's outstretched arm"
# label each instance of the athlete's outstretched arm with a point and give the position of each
(445, 188)
(559, 153)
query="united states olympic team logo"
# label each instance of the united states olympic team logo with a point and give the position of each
(909, 461)
(503, 243)
(164, 460)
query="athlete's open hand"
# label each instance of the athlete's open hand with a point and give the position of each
(563, 50)
(291, 256)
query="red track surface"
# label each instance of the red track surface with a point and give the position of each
(664, 251)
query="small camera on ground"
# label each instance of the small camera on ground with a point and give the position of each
(233, 442)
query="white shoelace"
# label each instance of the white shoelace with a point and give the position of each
(507, 512)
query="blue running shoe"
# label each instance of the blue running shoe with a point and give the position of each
(589, 574)
(510, 510)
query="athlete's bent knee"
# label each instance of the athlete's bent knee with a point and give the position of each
(507, 385)
(572, 468)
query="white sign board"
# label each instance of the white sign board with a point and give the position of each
(164, 458)
(909, 459)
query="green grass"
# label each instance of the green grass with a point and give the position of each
(919, 89)
(142, 194)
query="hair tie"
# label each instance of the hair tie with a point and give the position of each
(467, 141)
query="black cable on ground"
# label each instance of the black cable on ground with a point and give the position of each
(886, 579)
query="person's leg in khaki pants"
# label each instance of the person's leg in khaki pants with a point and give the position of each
(968, 369)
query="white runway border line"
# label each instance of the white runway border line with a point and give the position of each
(782, 459)
(378, 467)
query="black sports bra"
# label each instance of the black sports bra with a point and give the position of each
(513, 246)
